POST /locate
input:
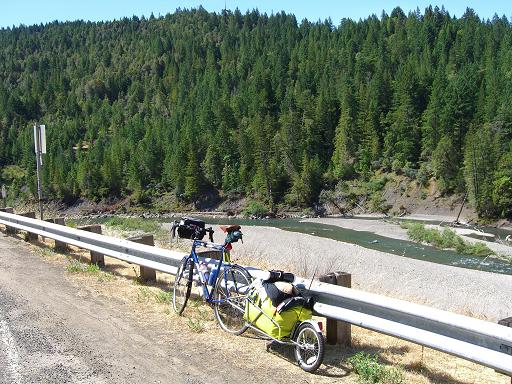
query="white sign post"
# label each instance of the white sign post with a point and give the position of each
(4, 195)
(40, 148)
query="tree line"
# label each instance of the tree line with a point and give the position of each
(259, 105)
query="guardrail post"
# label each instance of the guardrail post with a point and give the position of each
(59, 245)
(8, 230)
(338, 332)
(96, 258)
(146, 274)
(30, 236)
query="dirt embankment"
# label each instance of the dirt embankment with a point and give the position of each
(406, 196)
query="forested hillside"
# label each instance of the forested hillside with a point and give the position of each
(263, 106)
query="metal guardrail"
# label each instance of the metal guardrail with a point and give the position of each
(157, 258)
(476, 340)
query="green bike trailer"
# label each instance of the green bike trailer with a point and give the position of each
(277, 322)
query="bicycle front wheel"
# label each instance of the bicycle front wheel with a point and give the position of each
(230, 298)
(182, 285)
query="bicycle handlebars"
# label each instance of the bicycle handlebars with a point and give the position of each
(233, 233)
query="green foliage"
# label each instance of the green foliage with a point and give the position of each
(306, 185)
(255, 208)
(377, 183)
(192, 176)
(378, 203)
(134, 224)
(13, 174)
(259, 105)
(370, 371)
(346, 139)
(423, 175)
(163, 297)
(480, 162)
(502, 185)
(445, 164)
(75, 266)
(446, 239)
(340, 198)
(375, 186)
(196, 325)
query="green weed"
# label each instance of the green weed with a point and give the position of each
(143, 295)
(75, 266)
(92, 268)
(47, 252)
(163, 297)
(105, 277)
(370, 371)
(376, 184)
(196, 325)
(72, 223)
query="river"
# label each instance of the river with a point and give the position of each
(372, 241)
(369, 240)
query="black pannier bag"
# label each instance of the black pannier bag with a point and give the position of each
(190, 228)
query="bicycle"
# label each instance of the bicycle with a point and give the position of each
(224, 287)
(238, 301)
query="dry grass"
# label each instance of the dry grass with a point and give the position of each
(151, 304)
(423, 365)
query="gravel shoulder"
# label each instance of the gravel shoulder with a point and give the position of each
(476, 293)
(56, 327)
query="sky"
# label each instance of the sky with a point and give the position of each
(28, 12)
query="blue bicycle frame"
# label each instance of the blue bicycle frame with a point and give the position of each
(225, 259)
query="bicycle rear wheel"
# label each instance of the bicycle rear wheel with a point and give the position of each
(230, 298)
(182, 285)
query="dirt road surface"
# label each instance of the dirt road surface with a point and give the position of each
(51, 331)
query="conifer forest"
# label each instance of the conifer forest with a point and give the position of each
(269, 107)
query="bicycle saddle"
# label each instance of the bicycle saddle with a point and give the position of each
(230, 228)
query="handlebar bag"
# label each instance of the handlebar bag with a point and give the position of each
(190, 228)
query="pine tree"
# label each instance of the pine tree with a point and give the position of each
(347, 136)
